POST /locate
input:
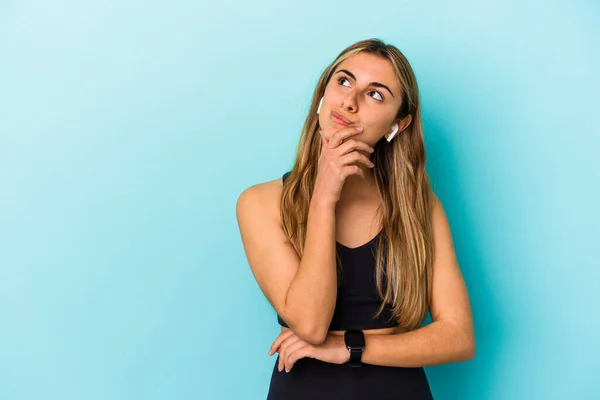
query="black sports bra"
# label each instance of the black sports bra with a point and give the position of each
(357, 300)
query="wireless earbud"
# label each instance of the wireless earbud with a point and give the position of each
(320, 102)
(394, 131)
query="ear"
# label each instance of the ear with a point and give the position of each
(403, 123)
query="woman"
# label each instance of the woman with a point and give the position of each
(352, 247)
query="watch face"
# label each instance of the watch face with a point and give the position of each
(355, 338)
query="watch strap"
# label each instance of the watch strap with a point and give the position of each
(355, 343)
(355, 357)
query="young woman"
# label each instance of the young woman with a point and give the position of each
(352, 247)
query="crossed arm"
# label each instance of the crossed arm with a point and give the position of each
(448, 338)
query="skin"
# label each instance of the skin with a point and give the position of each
(372, 108)
(450, 336)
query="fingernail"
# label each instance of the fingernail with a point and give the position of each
(371, 149)
(287, 370)
(359, 128)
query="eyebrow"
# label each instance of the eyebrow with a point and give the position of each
(376, 84)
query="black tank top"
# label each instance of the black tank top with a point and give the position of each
(357, 300)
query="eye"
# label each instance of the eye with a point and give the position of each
(343, 78)
(374, 91)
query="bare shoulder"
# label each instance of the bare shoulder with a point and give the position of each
(260, 198)
(259, 219)
(435, 202)
(271, 257)
(439, 219)
(442, 235)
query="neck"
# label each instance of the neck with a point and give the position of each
(357, 188)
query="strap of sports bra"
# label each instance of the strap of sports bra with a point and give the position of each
(285, 176)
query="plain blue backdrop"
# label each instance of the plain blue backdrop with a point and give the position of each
(129, 128)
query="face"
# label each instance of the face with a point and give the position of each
(365, 91)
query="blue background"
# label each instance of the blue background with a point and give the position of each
(129, 128)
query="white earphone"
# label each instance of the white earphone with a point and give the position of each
(321, 102)
(394, 131)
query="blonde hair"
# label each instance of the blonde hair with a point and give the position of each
(405, 250)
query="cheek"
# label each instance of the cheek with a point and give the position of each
(375, 130)
(374, 127)
(379, 123)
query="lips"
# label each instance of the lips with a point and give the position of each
(339, 119)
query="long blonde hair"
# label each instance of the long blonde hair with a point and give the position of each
(405, 249)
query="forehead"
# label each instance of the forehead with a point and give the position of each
(371, 68)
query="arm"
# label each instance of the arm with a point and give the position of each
(302, 291)
(450, 337)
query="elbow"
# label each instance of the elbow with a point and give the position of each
(464, 344)
(312, 335)
(316, 340)
(309, 330)
(469, 350)
(472, 351)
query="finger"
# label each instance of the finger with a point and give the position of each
(353, 170)
(285, 349)
(352, 145)
(277, 343)
(282, 336)
(303, 352)
(354, 157)
(338, 137)
(291, 350)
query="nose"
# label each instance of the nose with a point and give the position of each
(349, 103)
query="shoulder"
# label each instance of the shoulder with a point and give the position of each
(438, 214)
(435, 204)
(442, 234)
(260, 198)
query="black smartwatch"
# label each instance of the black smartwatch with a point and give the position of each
(355, 342)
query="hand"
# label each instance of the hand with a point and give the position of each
(291, 348)
(338, 161)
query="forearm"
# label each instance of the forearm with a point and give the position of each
(312, 293)
(439, 342)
